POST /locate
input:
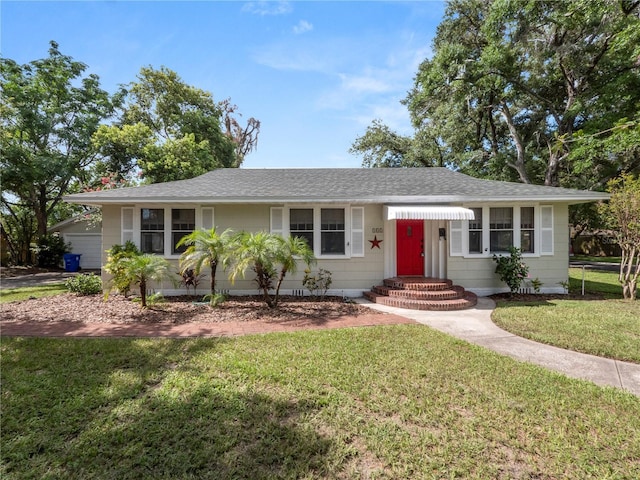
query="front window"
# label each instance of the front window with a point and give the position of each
(475, 231)
(152, 230)
(500, 229)
(301, 224)
(527, 229)
(332, 231)
(183, 222)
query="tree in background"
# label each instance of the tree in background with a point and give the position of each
(49, 112)
(173, 131)
(510, 84)
(622, 214)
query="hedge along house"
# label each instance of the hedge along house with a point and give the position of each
(406, 232)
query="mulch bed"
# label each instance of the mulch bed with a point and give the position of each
(177, 310)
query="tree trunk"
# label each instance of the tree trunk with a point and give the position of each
(143, 293)
(519, 165)
(283, 272)
(41, 211)
(214, 267)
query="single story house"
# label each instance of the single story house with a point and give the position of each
(85, 237)
(364, 225)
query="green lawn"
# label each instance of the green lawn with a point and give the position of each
(384, 402)
(591, 258)
(607, 328)
(24, 293)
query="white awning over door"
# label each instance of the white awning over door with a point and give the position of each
(427, 212)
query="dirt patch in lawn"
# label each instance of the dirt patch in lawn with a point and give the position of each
(177, 310)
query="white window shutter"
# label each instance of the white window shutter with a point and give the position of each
(546, 230)
(126, 231)
(207, 218)
(357, 231)
(455, 238)
(277, 220)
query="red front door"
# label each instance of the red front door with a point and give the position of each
(410, 247)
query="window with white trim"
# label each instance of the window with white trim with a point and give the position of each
(335, 232)
(158, 230)
(152, 230)
(332, 230)
(301, 224)
(527, 229)
(183, 222)
(496, 229)
(475, 231)
(500, 229)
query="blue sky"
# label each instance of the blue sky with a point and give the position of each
(315, 73)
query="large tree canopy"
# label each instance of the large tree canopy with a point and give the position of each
(60, 132)
(171, 131)
(511, 83)
(48, 113)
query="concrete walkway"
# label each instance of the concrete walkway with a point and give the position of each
(475, 326)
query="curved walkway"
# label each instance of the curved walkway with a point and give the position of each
(475, 326)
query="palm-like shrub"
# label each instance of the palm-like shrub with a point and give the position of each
(263, 253)
(257, 251)
(143, 269)
(291, 250)
(204, 248)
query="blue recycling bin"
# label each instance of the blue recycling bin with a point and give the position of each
(71, 262)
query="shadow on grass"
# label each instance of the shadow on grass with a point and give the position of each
(145, 409)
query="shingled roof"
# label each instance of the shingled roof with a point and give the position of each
(354, 185)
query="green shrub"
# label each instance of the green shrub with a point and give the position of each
(317, 284)
(116, 265)
(84, 284)
(511, 269)
(215, 299)
(49, 250)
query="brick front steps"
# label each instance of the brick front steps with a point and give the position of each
(421, 293)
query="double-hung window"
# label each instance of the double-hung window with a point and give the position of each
(332, 231)
(161, 229)
(152, 230)
(301, 224)
(496, 229)
(475, 231)
(183, 222)
(527, 229)
(500, 229)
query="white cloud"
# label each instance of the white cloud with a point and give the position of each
(302, 27)
(287, 57)
(265, 7)
(368, 82)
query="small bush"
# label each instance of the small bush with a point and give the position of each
(215, 299)
(84, 284)
(49, 250)
(317, 284)
(116, 265)
(511, 269)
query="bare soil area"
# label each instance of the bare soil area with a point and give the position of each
(177, 310)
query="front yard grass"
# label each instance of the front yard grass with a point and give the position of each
(607, 328)
(24, 293)
(383, 402)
